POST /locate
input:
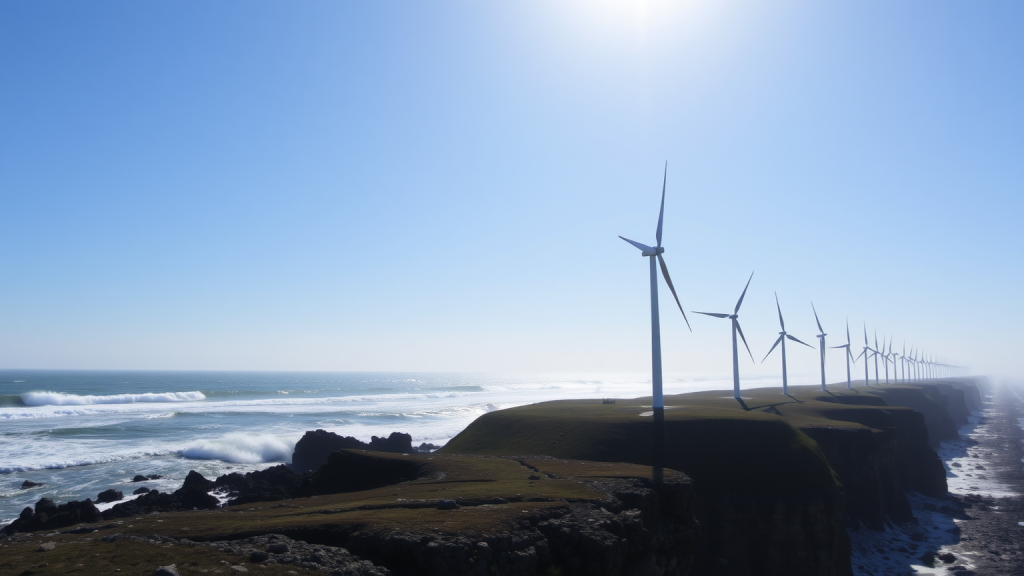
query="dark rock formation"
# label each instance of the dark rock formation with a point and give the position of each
(351, 471)
(48, 515)
(641, 528)
(271, 549)
(141, 478)
(29, 484)
(312, 450)
(877, 466)
(141, 490)
(110, 495)
(276, 483)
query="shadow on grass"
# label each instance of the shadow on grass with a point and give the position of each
(769, 406)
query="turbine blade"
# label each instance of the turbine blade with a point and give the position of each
(668, 280)
(795, 339)
(773, 349)
(740, 301)
(863, 352)
(847, 331)
(820, 331)
(715, 314)
(661, 213)
(781, 323)
(744, 338)
(642, 247)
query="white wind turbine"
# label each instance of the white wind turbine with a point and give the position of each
(864, 353)
(735, 328)
(821, 346)
(875, 354)
(849, 354)
(658, 403)
(782, 339)
(903, 362)
(885, 359)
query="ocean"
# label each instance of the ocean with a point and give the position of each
(81, 432)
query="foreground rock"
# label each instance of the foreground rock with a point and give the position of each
(312, 450)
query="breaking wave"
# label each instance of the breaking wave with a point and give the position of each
(242, 449)
(61, 399)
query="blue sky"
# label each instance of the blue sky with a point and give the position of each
(440, 186)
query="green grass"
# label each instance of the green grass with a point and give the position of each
(496, 494)
(724, 445)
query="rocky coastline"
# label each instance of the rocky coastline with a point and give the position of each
(878, 445)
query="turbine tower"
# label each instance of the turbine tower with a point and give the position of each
(821, 346)
(885, 360)
(658, 403)
(849, 355)
(875, 355)
(864, 353)
(903, 362)
(735, 328)
(782, 338)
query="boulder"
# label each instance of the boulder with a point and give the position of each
(275, 483)
(110, 496)
(312, 450)
(141, 490)
(171, 570)
(30, 484)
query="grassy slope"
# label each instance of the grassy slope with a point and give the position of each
(722, 444)
(402, 507)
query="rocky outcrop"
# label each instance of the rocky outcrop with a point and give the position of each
(110, 495)
(641, 528)
(48, 515)
(351, 471)
(193, 495)
(276, 483)
(312, 450)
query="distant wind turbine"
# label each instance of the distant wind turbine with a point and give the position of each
(782, 339)
(735, 328)
(903, 362)
(658, 403)
(849, 355)
(864, 353)
(885, 359)
(821, 346)
(875, 354)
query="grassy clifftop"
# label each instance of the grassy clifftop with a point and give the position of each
(756, 444)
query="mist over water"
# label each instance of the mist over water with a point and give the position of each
(81, 432)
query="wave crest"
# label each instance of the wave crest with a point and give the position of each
(242, 449)
(62, 399)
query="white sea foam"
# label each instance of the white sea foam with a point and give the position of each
(242, 448)
(61, 399)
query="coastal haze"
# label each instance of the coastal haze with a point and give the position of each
(78, 432)
(334, 187)
(224, 226)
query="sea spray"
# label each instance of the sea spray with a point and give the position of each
(242, 448)
(63, 399)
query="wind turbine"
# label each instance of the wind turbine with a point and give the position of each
(821, 346)
(903, 362)
(658, 403)
(849, 354)
(864, 353)
(885, 360)
(735, 328)
(782, 338)
(875, 354)
(893, 356)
